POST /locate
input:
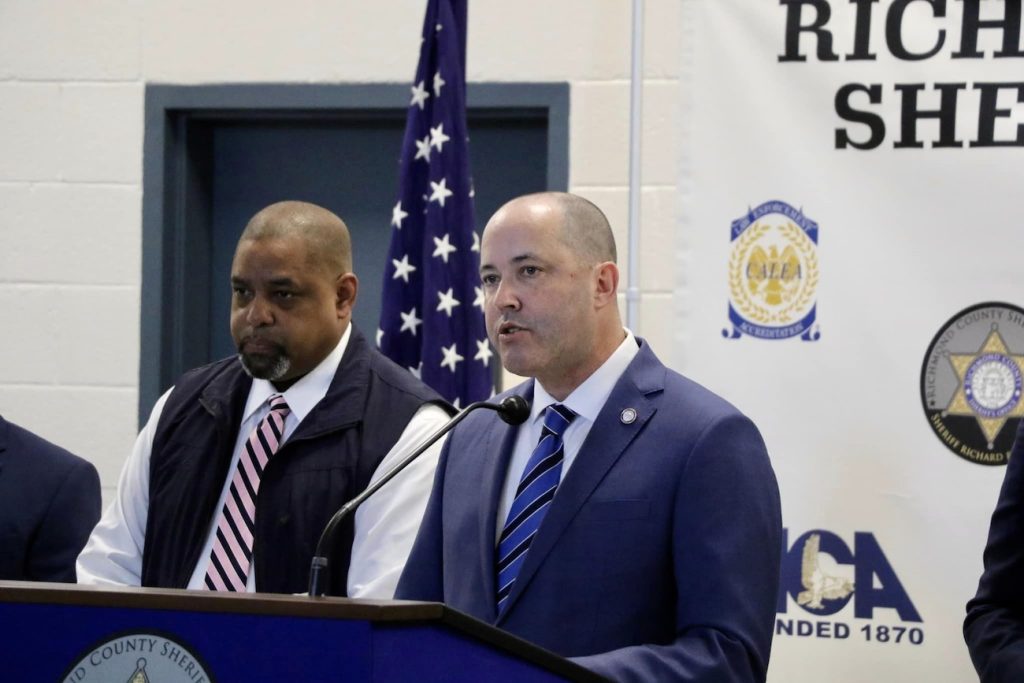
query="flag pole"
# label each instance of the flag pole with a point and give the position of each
(635, 127)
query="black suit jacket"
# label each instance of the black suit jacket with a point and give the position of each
(994, 628)
(49, 503)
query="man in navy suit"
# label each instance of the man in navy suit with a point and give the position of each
(994, 628)
(49, 502)
(652, 552)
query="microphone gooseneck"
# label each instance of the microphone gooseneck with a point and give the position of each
(513, 409)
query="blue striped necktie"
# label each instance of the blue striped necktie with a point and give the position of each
(533, 498)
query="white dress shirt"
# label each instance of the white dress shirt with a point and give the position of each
(586, 401)
(385, 525)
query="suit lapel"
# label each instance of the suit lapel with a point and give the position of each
(495, 451)
(607, 441)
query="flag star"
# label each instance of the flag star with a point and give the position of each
(423, 149)
(439, 191)
(419, 95)
(451, 357)
(402, 268)
(447, 302)
(457, 403)
(443, 248)
(410, 321)
(494, 392)
(483, 352)
(397, 215)
(437, 137)
(416, 277)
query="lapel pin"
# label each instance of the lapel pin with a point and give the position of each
(628, 416)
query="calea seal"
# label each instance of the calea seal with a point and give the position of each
(972, 381)
(773, 274)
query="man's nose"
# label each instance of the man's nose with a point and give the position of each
(506, 297)
(259, 312)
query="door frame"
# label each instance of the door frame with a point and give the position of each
(177, 183)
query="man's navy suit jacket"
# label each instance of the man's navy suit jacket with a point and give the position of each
(49, 503)
(994, 628)
(659, 557)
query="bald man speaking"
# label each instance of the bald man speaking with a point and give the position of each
(633, 521)
(243, 461)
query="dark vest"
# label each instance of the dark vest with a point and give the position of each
(327, 461)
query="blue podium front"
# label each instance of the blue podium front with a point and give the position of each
(73, 634)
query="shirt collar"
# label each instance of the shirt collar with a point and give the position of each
(302, 396)
(588, 398)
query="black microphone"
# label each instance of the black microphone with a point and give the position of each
(514, 410)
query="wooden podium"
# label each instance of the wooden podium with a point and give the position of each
(76, 634)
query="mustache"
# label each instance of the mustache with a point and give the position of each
(261, 339)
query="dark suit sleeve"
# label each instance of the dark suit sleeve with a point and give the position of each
(423, 578)
(994, 627)
(726, 551)
(69, 519)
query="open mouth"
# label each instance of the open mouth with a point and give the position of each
(506, 330)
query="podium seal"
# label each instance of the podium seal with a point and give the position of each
(138, 658)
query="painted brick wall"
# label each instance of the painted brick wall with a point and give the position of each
(72, 81)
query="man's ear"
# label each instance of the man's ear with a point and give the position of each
(346, 289)
(606, 281)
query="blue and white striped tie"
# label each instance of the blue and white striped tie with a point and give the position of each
(533, 498)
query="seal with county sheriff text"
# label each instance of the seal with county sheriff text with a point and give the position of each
(138, 657)
(972, 381)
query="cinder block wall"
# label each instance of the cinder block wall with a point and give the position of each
(72, 81)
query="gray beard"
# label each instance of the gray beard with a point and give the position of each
(275, 372)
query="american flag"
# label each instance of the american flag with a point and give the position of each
(432, 311)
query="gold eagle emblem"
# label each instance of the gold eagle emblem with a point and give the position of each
(820, 584)
(773, 278)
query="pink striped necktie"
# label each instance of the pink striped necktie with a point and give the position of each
(232, 548)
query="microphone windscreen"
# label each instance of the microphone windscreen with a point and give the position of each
(514, 410)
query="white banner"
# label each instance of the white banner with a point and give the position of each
(849, 276)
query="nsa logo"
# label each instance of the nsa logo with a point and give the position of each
(773, 274)
(972, 380)
(821, 575)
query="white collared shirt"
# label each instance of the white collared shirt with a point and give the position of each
(385, 525)
(586, 401)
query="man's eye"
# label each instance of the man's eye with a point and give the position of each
(240, 292)
(489, 280)
(284, 295)
(530, 270)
